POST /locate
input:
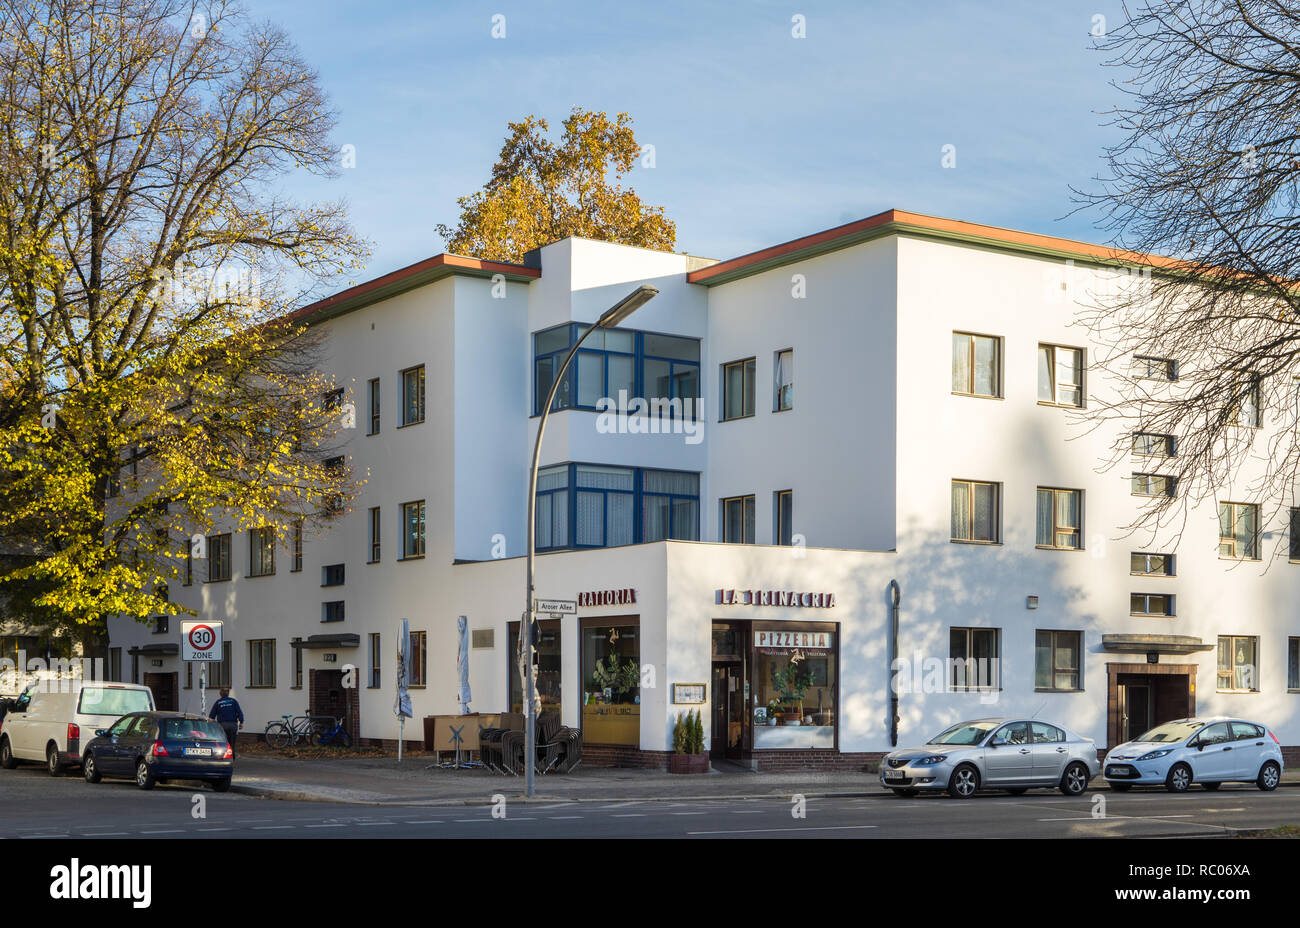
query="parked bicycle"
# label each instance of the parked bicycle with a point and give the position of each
(292, 730)
(336, 735)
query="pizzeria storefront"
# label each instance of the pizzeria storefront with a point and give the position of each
(775, 684)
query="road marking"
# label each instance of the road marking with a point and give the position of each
(43, 836)
(1084, 816)
(270, 827)
(560, 818)
(629, 815)
(748, 812)
(339, 825)
(372, 824)
(621, 805)
(163, 831)
(685, 813)
(103, 834)
(747, 831)
(212, 829)
(425, 821)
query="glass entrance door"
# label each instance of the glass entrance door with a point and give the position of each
(728, 710)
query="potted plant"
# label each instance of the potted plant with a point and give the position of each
(688, 745)
(773, 712)
(791, 686)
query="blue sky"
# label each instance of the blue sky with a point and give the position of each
(759, 137)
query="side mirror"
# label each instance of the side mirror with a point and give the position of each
(1200, 745)
(995, 742)
(100, 732)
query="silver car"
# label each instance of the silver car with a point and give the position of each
(1010, 754)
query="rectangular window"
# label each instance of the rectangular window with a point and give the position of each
(604, 506)
(738, 520)
(1292, 664)
(1160, 604)
(332, 501)
(1146, 367)
(413, 395)
(419, 658)
(1247, 409)
(189, 675)
(374, 407)
(976, 365)
(1239, 530)
(784, 381)
(670, 505)
(611, 671)
(1154, 444)
(1142, 564)
(973, 659)
(189, 563)
(115, 665)
(1060, 375)
(218, 557)
(413, 529)
(332, 611)
(332, 575)
(976, 511)
(603, 503)
(297, 665)
(794, 684)
(375, 535)
(1238, 664)
(261, 551)
(1153, 485)
(375, 659)
(261, 662)
(1294, 535)
(1057, 660)
(297, 548)
(784, 513)
(615, 361)
(333, 400)
(161, 624)
(549, 678)
(1060, 518)
(738, 389)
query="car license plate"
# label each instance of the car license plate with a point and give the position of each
(1115, 771)
(894, 778)
(198, 752)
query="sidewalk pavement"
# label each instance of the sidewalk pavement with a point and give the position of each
(382, 781)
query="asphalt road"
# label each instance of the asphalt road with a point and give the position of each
(33, 805)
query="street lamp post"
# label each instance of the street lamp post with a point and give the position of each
(610, 318)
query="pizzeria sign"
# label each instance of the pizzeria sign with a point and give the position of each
(817, 641)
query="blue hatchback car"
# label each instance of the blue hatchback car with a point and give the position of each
(154, 747)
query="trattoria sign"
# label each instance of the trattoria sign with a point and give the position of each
(812, 640)
(607, 598)
(775, 598)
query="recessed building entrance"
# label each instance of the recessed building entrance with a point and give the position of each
(1141, 696)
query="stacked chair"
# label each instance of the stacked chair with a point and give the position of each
(558, 748)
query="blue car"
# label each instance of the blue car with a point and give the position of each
(154, 747)
(1207, 751)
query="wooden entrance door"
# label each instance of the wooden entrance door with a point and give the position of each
(165, 692)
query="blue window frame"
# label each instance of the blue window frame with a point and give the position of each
(597, 506)
(645, 365)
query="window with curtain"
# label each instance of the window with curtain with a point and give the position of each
(1238, 663)
(738, 520)
(1056, 659)
(974, 659)
(1239, 530)
(552, 515)
(976, 365)
(1060, 375)
(975, 515)
(604, 499)
(218, 557)
(670, 505)
(588, 506)
(784, 380)
(261, 662)
(1060, 518)
(261, 551)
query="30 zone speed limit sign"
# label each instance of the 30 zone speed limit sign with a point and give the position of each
(201, 640)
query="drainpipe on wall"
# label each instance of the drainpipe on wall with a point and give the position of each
(896, 597)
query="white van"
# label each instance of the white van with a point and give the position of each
(52, 719)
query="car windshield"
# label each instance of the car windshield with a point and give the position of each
(113, 700)
(963, 733)
(1172, 731)
(191, 730)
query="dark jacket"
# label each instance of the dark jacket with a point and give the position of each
(226, 711)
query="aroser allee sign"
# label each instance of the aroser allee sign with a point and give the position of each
(775, 598)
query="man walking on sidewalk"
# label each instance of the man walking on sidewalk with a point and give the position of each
(226, 712)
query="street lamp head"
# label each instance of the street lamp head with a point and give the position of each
(627, 306)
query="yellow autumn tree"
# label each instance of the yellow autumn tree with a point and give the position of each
(541, 191)
(152, 382)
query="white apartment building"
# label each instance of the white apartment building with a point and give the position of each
(741, 557)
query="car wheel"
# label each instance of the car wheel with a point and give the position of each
(1211, 786)
(1075, 779)
(7, 760)
(143, 775)
(52, 763)
(965, 781)
(221, 786)
(89, 769)
(1179, 778)
(1120, 787)
(1269, 776)
(1018, 790)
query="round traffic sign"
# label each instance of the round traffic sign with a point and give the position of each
(202, 637)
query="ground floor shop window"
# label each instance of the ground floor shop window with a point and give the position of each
(548, 657)
(611, 675)
(794, 687)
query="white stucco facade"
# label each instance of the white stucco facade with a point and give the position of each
(869, 450)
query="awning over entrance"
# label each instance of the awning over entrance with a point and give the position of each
(347, 640)
(155, 650)
(1154, 644)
